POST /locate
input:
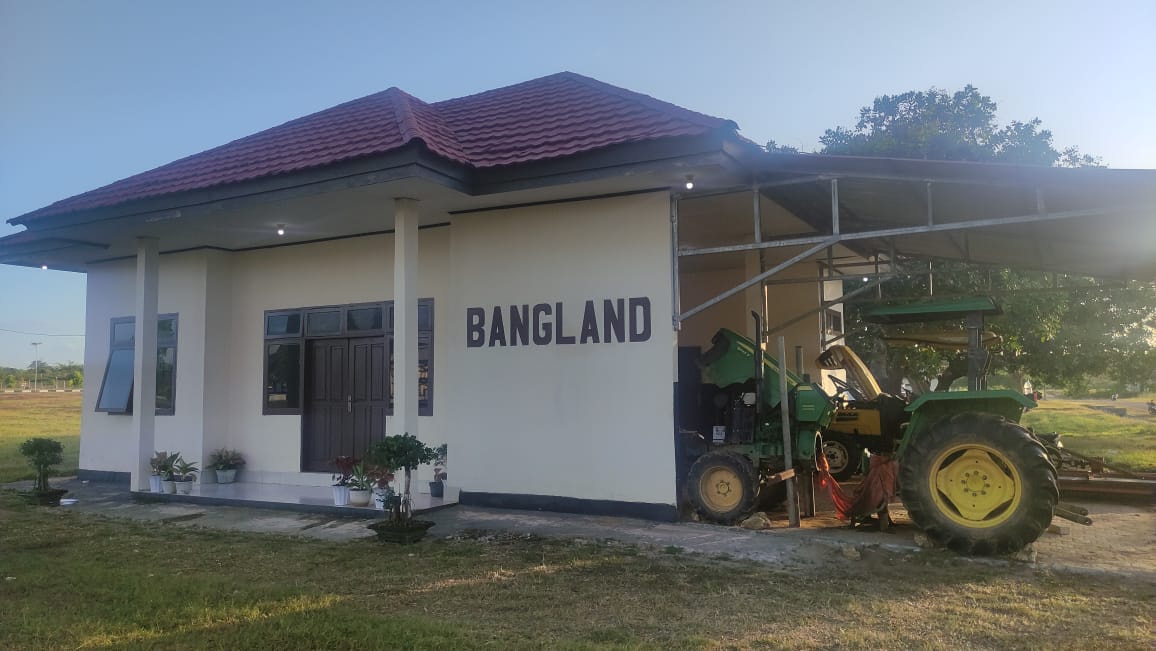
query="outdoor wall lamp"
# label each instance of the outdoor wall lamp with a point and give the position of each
(280, 229)
(690, 181)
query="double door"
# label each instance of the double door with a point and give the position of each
(346, 399)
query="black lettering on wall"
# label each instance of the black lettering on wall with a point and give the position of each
(614, 320)
(475, 327)
(640, 319)
(520, 325)
(497, 329)
(562, 337)
(589, 334)
(543, 329)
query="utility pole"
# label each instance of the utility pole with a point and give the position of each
(36, 366)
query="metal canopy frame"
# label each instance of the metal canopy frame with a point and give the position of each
(835, 235)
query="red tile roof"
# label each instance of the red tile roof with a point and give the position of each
(550, 117)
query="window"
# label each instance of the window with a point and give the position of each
(117, 385)
(833, 321)
(282, 377)
(285, 341)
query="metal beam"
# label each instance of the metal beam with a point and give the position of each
(757, 279)
(823, 306)
(913, 230)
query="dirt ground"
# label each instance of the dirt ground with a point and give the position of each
(1121, 538)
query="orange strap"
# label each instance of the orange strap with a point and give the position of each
(873, 493)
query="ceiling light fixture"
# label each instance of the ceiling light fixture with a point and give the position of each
(690, 181)
(280, 229)
(44, 267)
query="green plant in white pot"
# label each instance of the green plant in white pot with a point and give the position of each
(162, 469)
(359, 486)
(226, 462)
(184, 474)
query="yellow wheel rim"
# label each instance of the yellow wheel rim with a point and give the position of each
(975, 485)
(721, 489)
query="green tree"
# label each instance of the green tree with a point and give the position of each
(1054, 337)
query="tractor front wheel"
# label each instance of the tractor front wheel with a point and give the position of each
(978, 484)
(722, 486)
(843, 456)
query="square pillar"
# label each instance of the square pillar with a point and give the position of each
(144, 373)
(405, 217)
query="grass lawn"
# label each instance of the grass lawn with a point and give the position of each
(26, 415)
(1126, 441)
(68, 580)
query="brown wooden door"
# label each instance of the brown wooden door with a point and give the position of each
(369, 393)
(345, 400)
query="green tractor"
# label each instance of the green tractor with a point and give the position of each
(972, 478)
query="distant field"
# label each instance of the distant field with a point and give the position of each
(1128, 441)
(25, 415)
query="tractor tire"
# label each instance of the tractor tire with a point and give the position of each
(843, 456)
(978, 484)
(723, 487)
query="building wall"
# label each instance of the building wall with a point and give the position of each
(589, 421)
(592, 421)
(107, 441)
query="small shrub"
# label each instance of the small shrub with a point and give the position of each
(42, 455)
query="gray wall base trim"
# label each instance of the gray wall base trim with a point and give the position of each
(105, 476)
(320, 509)
(643, 510)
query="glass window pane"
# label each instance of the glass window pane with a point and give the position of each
(323, 323)
(166, 378)
(167, 329)
(283, 325)
(123, 333)
(425, 316)
(116, 391)
(283, 377)
(363, 318)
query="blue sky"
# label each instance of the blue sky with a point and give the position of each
(91, 92)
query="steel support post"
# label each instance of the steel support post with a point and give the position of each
(788, 453)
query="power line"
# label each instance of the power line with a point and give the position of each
(36, 334)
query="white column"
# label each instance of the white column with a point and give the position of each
(144, 391)
(405, 215)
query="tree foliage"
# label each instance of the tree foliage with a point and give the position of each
(938, 125)
(1058, 338)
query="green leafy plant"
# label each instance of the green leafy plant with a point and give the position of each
(42, 454)
(162, 464)
(359, 478)
(226, 459)
(184, 470)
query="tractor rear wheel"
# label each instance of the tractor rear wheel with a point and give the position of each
(978, 484)
(723, 487)
(842, 456)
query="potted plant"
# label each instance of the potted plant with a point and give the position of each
(380, 479)
(406, 452)
(437, 486)
(184, 474)
(42, 454)
(341, 480)
(161, 464)
(226, 462)
(359, 485)
(167, 472)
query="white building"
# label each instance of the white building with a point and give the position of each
(500, 272)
